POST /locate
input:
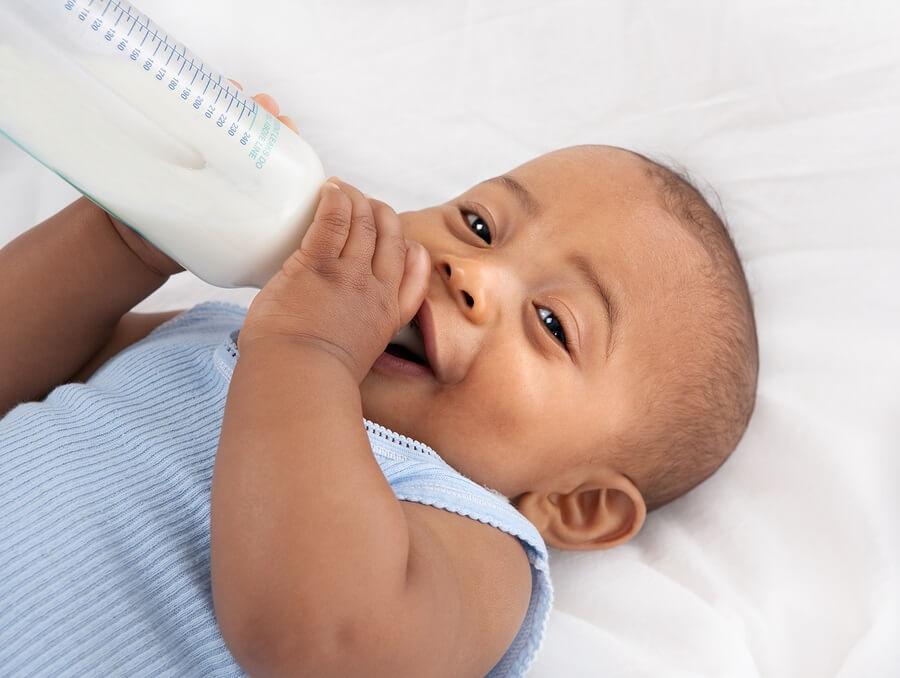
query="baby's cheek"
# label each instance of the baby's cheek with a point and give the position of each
(516, 404)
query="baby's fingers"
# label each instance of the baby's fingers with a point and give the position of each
(289, 123)
(328, 232)
(363, 230)
(268, 102)
(390, 248)
(400, 262)
(414, 285)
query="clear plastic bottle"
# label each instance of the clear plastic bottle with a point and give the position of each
(104, 97)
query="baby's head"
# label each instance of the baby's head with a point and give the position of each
(591, 341)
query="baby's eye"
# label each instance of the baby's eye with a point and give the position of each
(479, 226)
(552, 324)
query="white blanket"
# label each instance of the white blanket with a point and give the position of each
(785, 563)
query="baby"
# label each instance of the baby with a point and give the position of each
(582, 350)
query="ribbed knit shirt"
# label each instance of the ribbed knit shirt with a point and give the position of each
(104, 513)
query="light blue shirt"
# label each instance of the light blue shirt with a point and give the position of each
(104, 513)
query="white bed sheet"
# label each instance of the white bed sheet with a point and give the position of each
(785, 563)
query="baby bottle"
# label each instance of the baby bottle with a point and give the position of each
(113, 104)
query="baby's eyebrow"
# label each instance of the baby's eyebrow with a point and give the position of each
(529, 203)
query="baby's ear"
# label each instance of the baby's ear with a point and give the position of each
(599, 511)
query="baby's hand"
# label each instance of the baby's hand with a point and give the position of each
(350, 286)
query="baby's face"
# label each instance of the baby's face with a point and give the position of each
(554, 292)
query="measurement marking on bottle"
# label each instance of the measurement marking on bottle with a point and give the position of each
(253, 122)
(121, 49)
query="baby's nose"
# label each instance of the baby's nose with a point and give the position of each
(469, 283)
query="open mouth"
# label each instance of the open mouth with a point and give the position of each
(409, 345)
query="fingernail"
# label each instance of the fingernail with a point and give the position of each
(331, 184)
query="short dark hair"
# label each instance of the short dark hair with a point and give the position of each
(696, 412)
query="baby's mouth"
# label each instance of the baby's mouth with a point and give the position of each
(408, 344)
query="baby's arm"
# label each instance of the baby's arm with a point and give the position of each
(64, 285)
(317, 569)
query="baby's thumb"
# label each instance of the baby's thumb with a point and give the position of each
(414, 284)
